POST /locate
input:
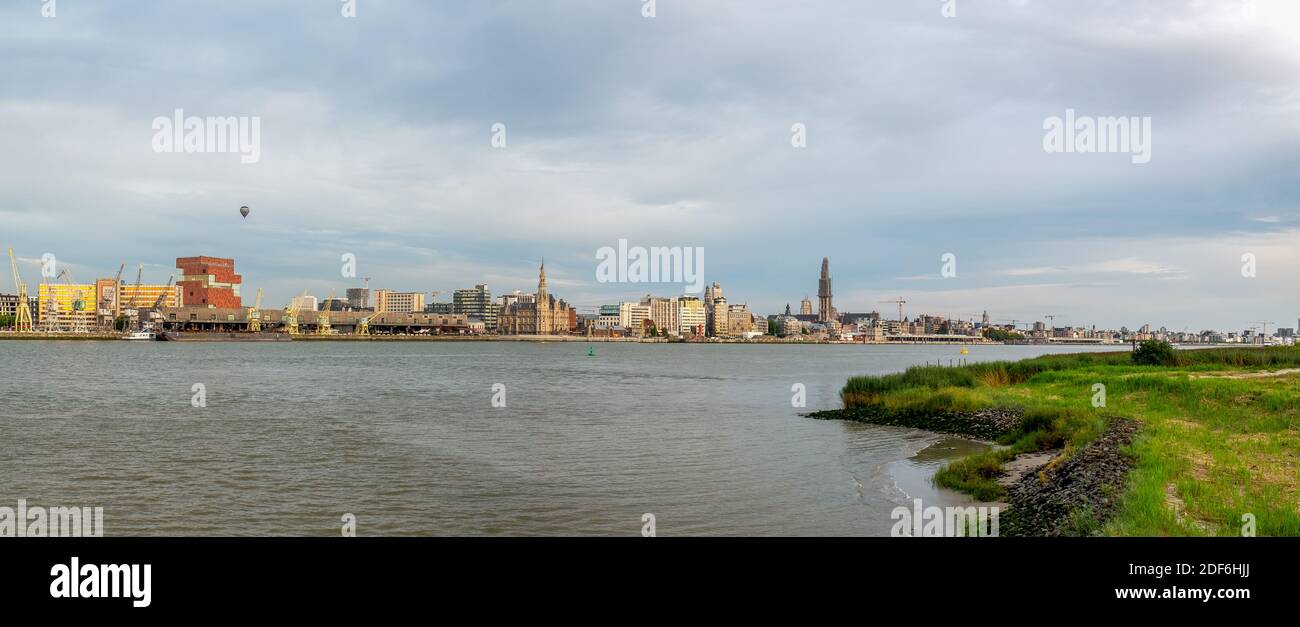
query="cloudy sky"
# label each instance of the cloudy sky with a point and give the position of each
(924, 137)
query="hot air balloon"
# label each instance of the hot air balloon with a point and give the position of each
(243, 211)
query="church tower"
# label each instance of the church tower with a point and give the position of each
(541, 283)
(824, 310)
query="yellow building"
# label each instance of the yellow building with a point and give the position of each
(147, 295)
(137, 296)
(79, 306)
(690, 316)
(65, 307)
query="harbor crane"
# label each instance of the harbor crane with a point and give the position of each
(363, 325)
(110, 307)
(323, 320)
(50, 321)
(23, 311)
(291, 314)
(131, 312)
(80, 303)
(154, 314)
(255, 314)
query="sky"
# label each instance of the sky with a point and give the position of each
(924, 136)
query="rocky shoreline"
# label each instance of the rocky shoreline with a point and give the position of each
(985, 424)
(1078, 495)
(1062, 497)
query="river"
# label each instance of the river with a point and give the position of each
(406, 437)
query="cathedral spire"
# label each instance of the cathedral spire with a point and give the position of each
(825, 311)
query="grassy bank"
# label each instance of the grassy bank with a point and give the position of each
(1219, 438)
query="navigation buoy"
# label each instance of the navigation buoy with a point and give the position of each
(591, 351)
(965, 351)
(243, 211)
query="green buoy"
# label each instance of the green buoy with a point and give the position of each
(591, 351)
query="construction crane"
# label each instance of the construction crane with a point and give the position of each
(255, 314)
(900, 302)
(1264, 324)
(323, 320)
(1051, 323)
(291, 314)
(22, 312)
(1263, 335)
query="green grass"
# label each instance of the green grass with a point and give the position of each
(1212, 447)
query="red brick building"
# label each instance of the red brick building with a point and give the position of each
(209, 282)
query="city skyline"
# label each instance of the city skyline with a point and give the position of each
(825, 310)
(385, 151)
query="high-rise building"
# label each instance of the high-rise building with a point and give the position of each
(476, 302)
(209, 282)
(359, 297)
(741, 321)
(389, 301)
(825, 311)
(717, 318)
(663, 311)
(632, 316)
(690, 316)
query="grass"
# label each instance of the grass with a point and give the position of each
(1213, 448)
